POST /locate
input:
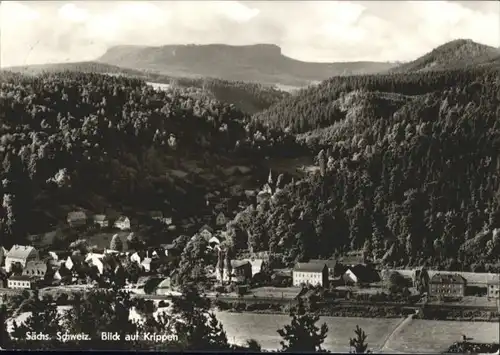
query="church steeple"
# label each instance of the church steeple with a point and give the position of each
(270, 178)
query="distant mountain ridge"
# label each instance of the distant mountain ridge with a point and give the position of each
(263, 63)
(451, 55)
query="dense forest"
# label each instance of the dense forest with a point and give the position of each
(459, 53)
(80, 139)
(408, 164)
(247, 96)
(408, 171)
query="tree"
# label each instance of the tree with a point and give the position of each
(357, 344)
(101, 311)
(5, 341)
(322, 162)
(44, 318)
(116, 243)
(16, 268)
(197, 328)
(254, 346)
(302, 334)
(395, 282)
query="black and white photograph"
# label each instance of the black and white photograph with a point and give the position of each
(250, 176)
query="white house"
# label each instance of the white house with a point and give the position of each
(122, 223)
(135, 258)
(146, 264)
(20, 254)
(311, 274)
(53, 255)
(20, 282)
(95, 260)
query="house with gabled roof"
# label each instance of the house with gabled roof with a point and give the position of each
(315, 274)
(206, 232)
(122, 223)
(20, 254)
(361, 274)
(36, 269)
(220, 219)
(77, 218)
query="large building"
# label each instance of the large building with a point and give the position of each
(447, 285)
(315, 274)
(35, 269)
(20, 254)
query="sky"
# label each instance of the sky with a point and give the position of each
(37, 32)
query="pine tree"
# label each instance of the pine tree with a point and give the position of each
(302, 334)
(116, 243)
(358, 345)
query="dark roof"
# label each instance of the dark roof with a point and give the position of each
(365, 273)
(168, 246)
(309, 267)
(447, 279)
(207, 227)
(21, 278)
(239, 263)
(329, 263)
(35, 266)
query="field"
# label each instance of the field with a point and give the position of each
(263, 328)
(431, 336)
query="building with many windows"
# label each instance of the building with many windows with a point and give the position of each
(21, 282)
(314, 273)
(447, 285)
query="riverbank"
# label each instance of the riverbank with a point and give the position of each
(361, 310)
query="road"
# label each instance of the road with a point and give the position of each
(384, 348)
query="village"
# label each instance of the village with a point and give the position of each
(148, 271)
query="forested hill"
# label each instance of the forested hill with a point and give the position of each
(249, 97)
(332, 100)
(459, 53)
(97, 141)
(263, 63)
(412, 180)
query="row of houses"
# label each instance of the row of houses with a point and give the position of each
(80, 218)
(440, 283)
